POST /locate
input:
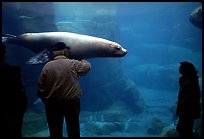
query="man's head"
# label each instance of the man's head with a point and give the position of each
(60, 48)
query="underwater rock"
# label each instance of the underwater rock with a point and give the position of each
(196, 17)
(114, 119)
(33, 123)
(102, 128)
(131, 96)
(155, 126)
(104, 95)
(156, 76)
(117, 112)
(169, 131)
(172, 110)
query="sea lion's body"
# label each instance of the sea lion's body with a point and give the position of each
(80, 46)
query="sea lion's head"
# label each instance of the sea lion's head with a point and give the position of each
(112, 49)
(117, 50)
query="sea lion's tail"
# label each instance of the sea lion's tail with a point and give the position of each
(7, 37)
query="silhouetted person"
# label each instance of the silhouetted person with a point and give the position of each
(13, 97)
(188, 105)
(59, 89)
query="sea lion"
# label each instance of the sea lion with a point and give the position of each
(80, 46)
(196, 17)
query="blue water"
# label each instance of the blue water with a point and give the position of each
(157, 35)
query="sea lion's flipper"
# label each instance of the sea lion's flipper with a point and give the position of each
(41, 58)
(7, 37)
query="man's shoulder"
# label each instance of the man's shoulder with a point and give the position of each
(51, 63)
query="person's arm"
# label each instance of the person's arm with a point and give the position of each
(83, 67)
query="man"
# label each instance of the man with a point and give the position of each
(188, 106)
(60, 90)
(14, 101)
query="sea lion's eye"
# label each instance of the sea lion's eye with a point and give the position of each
(118, 47)
(110, 46)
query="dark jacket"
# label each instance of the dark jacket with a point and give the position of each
(189, 97)
(13, 92)
(59, 79)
